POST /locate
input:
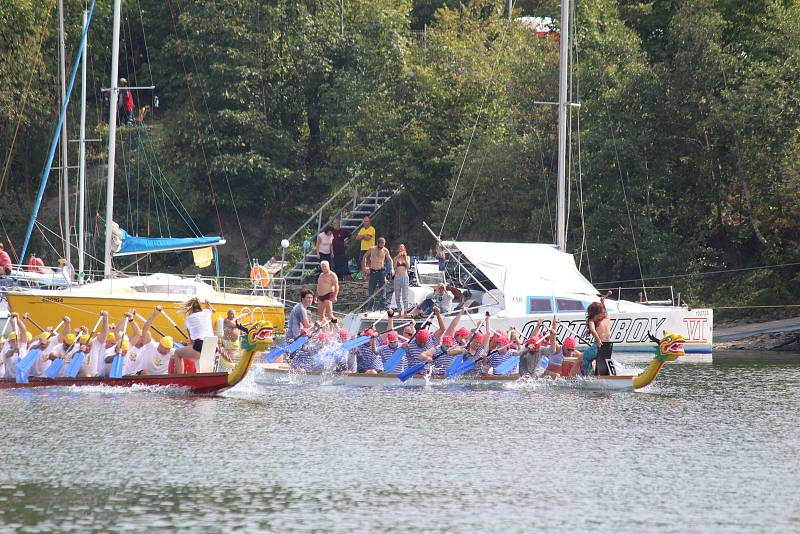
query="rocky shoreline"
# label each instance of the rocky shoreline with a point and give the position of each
(746, 335)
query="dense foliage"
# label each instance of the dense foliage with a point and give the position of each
(685, 151)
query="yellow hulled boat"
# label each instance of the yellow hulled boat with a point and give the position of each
(141, 293)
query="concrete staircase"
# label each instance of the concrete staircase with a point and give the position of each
(351, 213)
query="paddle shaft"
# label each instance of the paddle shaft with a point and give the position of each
(34, 323)
(154, 327)
(173, 323)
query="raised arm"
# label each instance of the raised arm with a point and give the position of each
(553, 339)
(487, 335)
(451, 329)
(66, 329)
(438, 333)
(146, 337)
(209, 306)
(103, 327)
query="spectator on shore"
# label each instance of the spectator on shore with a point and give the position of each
(373, 263)
(340, 239)
(325, 245)
(327, 291)
(366, 237)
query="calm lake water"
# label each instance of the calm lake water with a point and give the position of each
(709, 447)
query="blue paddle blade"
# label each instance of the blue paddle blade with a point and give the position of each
(22, 376)
(544, 361)
(55, 368)
(454, 365)
(357, 342)
(411, 371)
(74, 366)
(507, 366)
(394, 359)
(117, 366)
(464, 368)
(272, 355)
(297, 343)
(27, 362)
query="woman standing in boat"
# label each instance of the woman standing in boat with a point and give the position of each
(198, 325)
(599, 324)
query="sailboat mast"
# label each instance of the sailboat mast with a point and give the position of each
(64, 140)
(82, 155)
(561, 192)
(112, 135)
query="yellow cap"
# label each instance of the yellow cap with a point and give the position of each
(126, 345)
(12, 336)
(166, 342)
(2, 340)
(84, 339)
(44, 336)
(30, 336)
(111, 338)
(69, 339)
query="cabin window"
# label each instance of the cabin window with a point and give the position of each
(539, 305)
(569, 305)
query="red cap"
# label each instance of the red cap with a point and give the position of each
(422, 337)
(343, 335)
(324, 337)
(462, 332)
(368, 331)
(448, 341)
(501, 340)
(391, 336)
(479, 337)
(570, 343)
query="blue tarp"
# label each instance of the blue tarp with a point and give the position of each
(145, 245)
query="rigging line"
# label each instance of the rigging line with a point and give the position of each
(37, 61)
(705, 273)
(219, 151)
(624, 191)
(196, 117)
(584, 243)
(38, 227)
(471, 196)
(475, 124)
(162, 179)
(10, 243)
(41, 226)
(144, 40)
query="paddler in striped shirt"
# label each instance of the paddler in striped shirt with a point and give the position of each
(477, 349)
(502, 352)
(443, 354)
(422, 341)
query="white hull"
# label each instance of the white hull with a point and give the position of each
(278, 374)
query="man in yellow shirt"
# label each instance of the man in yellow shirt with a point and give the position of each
(366, 235)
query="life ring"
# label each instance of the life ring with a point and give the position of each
(259, 276)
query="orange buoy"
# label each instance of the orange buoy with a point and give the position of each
(259, 276)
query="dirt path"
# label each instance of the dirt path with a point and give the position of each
(779, 335)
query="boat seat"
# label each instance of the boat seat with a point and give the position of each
(207, 355)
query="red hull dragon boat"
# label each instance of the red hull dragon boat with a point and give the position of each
(257, 339)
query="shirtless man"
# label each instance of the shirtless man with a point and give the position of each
(374, 263)
(599, 325)
(327, 291)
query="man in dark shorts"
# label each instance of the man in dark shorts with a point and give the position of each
(340, 259)
(327, 291)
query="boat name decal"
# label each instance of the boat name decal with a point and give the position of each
(623, 329)
(57, 300)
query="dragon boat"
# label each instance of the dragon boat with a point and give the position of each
(256, 339)
(669, 348)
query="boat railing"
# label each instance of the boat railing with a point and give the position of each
(653, 295)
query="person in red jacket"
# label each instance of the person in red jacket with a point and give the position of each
(5, 261)
(126, 103)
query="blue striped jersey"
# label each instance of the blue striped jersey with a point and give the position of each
(497, 358)
(414, 350)
(442, 360)
(367, 359)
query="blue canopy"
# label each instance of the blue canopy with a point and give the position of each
(146, 245)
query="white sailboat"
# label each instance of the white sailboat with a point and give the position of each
(521, 283)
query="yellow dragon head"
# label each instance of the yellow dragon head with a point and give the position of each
(670, 346)
(257, 336)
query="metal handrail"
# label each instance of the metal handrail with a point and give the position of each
(318, 214)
